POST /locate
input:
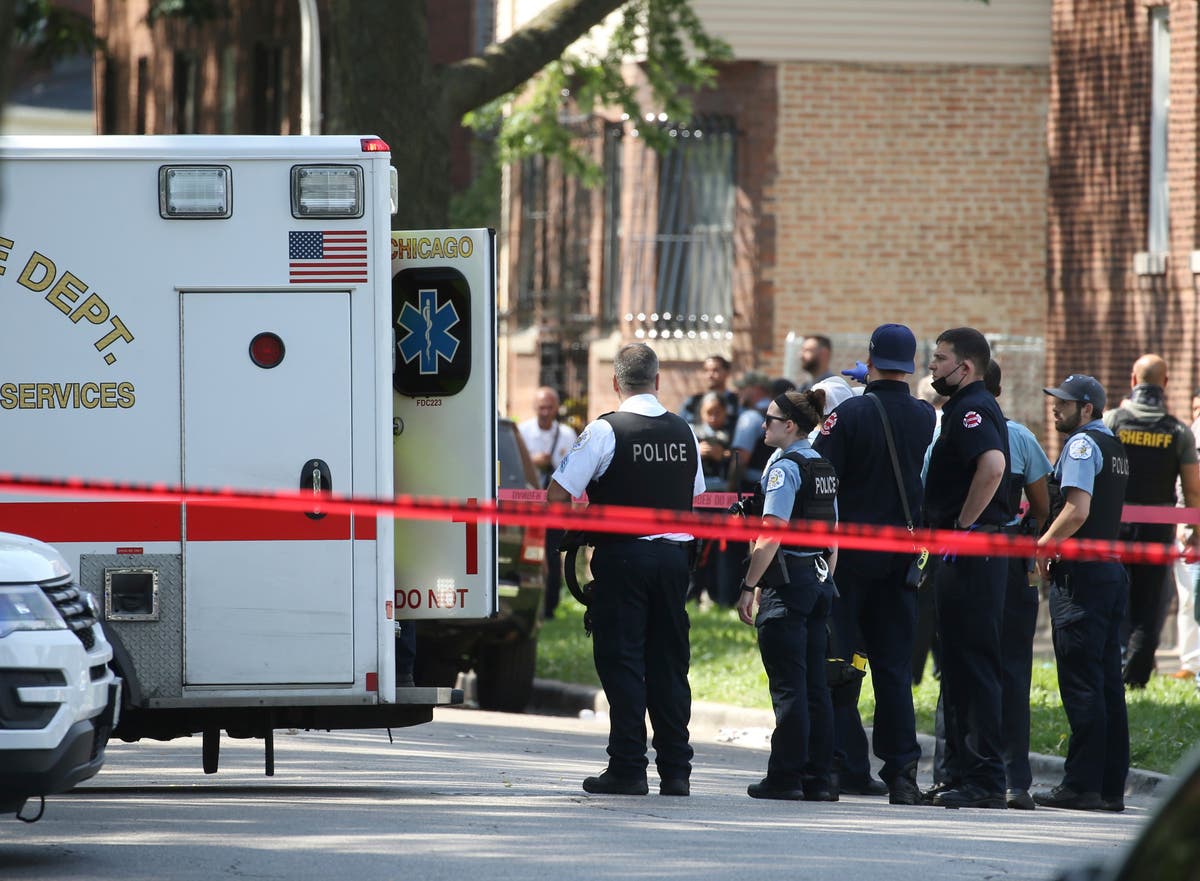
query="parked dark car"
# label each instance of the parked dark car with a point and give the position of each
(501, 650)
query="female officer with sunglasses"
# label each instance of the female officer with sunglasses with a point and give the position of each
(790, 583)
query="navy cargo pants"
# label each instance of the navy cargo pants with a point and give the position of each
(640, 646)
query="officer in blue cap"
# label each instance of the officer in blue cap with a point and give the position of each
(876, 614)
(1087, 602)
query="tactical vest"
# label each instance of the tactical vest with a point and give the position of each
(1153, 460)
(815, 501)
(653, 465)
(1108, 489)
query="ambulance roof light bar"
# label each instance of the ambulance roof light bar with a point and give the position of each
(327, 191)
(188, 192)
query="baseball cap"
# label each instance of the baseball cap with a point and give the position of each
(1080, 387)
(836, 390)
(753, 377)
(893, 347)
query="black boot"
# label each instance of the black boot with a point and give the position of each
(902, 789)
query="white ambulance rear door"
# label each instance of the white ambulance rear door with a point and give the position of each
(444, 400)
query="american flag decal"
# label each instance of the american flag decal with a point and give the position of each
(332, 256)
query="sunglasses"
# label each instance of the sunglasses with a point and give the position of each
(768, 418)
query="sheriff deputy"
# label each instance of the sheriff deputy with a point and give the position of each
(645, 457)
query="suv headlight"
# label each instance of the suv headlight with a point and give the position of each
(26, 607)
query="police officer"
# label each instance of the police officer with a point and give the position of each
(875, 614)
(790, 583)
(1030, 469)
(965, 490)
(1160, 449)
(646, 457)
(1087, 602)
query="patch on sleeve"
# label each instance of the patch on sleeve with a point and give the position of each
(584, 437)
(971, 419)
(774, 479)
(1081, 448)
(828, 424)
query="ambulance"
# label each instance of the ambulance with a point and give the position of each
(235, 313)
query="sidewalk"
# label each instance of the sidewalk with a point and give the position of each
(737, 724)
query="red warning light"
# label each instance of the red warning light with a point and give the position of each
(266, 350)
(375, 145)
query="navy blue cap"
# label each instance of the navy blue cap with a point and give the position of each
(1080, 387)
(893, 347)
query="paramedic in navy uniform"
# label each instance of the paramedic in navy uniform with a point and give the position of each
(1087, 602)
(645, 457)
(793, 615)
(965, 490)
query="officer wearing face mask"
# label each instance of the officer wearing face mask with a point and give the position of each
(1161, 450)
(965, 490)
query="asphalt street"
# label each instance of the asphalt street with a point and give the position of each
(483, 795)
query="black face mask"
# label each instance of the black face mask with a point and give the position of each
(1150, 395)
(942, 386)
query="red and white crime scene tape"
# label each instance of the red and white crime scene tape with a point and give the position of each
(530, 508)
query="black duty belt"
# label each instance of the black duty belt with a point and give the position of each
(655, 541)
(668, 541)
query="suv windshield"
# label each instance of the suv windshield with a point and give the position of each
(512, 469)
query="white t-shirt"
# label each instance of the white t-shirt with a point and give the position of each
(556, 440)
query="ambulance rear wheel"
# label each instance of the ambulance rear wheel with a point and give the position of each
(504, 675)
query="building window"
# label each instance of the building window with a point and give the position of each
(532, 270)
(187, 87)
(613, 165)
(228, 90)
(679, 258)
(1158, 243)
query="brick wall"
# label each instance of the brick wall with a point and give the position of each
(1102, 315)
(911, 193)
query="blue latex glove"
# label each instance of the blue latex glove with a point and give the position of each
(952, 556)
(858, 371)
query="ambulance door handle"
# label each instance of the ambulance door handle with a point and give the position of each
(315, 478)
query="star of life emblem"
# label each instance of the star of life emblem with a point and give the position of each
(429, 338)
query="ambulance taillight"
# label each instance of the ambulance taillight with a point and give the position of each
(266, 350)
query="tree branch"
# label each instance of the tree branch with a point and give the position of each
(502, 67)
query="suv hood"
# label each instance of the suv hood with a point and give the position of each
(29, 561)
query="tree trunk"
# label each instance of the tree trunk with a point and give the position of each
(397, 94)
(391, 92)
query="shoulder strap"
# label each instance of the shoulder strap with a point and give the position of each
(891, 445)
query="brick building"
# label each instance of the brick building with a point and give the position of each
(239, 72)
(1123, 255)
(859, 162)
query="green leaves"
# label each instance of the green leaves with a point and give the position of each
(675, 57)
(48, 32)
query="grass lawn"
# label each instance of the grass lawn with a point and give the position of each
(1164, 718)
